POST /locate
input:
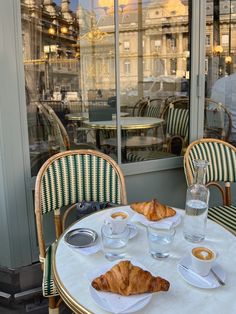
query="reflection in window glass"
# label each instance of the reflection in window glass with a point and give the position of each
(69, 61)
(220, 110)
(156, 91)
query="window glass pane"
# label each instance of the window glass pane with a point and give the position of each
(220, 101)
(68, 50)
(69, 61)
(156, 90)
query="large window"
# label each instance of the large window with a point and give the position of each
(220, 102)
(70, 77)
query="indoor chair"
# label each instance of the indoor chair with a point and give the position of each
(154, 108)
(65, 179)
(176, 129)
(221, 169)
(59, 133)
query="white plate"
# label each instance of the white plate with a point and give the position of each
(165, 223)
(101, 302)
(105, 299)
(133, 230)
(197, 282)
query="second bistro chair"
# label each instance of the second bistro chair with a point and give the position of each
(176, 129)
(59, 133)
(222, 169)
(65, 179)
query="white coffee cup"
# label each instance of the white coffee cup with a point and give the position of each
(117, 220)
(202, 260)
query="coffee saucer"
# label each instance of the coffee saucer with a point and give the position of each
(133, 230)
(206, 282)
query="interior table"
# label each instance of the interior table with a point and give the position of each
(70, 268)
(81, 116)
(127, 124)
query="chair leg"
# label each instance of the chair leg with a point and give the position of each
(53, 308)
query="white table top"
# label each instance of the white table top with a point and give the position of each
(70, 268)
(80, 116)
(127, 123)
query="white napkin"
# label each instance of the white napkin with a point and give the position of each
(116, 302)
(165, 223)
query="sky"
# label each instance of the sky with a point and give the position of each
(87, 3)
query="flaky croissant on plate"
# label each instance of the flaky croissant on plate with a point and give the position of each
(153, 210)
(126, 279)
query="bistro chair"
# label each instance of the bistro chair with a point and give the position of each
(176, 128)
(222, 169)
(175, 137)
(59, 133)
(154, 108)
(51, 137)
(65, 179)
(140, 107)
(217, 120)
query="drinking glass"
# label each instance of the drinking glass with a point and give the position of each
(114, 244)
(160, 241)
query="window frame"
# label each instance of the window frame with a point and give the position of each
(17, 183)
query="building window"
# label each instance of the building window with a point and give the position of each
(225, 39)
(208, 40)
(173, 66)
(126, 45)
(127, 67)
(157, 44)
(171, 41)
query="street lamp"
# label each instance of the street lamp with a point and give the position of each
(218, 49)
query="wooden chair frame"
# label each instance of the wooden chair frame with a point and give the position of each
(58, 220)
(181, 103)
(64, 134)
(226, 191)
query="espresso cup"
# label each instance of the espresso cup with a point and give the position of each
(202, 259)
(117, 221)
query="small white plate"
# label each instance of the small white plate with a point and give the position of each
(133, 230)
(101, 302)
(196, 280)
(164, 223)
(105, 299)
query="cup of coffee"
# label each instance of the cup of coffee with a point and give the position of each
(117, 221)
(202, 259)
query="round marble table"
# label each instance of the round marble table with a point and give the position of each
(70, 267)
(81, 116)
(127, 123)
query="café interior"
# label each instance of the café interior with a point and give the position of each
(117, 108)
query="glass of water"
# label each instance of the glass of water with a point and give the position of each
(160, 241)
(114, 244)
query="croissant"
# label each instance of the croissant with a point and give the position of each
(126, 279)
(153, 210)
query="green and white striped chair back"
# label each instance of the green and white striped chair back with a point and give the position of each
(177, 122)
(222, 159)
(154, 108)
(76, 177)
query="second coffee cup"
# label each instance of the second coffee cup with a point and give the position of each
(117, 221)
(202, 259)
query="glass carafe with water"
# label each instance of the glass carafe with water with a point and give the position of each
(196, 207)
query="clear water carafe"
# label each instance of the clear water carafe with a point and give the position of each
(196, 206)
